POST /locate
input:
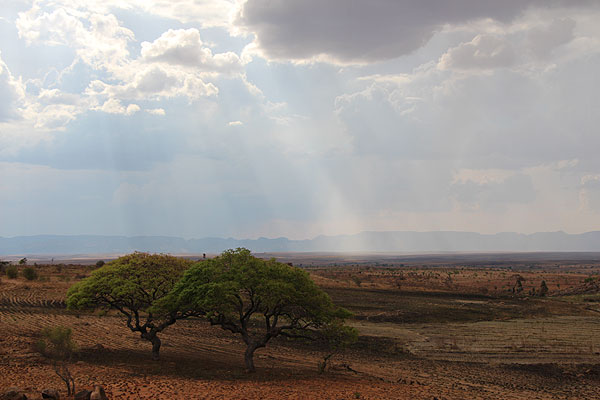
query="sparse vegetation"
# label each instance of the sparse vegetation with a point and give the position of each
(12, 272)
(57, 344)
(465, 328)
(30, 274)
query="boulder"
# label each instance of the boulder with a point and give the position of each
(13, 393)
(83, 395)
(50, 394)
(98, 393)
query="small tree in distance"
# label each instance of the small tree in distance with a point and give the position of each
(256, 299)
(132, 285)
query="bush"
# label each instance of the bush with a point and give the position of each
(12, 272)
(100, 264)
(57, 344)
(59, 341)
(30, 274)
(3, 266)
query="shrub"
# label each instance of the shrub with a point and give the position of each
(57, 344)
(12, 272)
(30, 274)
(99, 263)
(3, 266)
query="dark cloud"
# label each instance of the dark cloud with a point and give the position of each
(359, 30)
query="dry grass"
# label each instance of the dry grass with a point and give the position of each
(423, 335)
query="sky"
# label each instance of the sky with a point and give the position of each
(296, 118)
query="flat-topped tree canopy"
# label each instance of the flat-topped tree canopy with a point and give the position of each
(133, 284)
(257, 299)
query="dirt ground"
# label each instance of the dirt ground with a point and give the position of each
(445, 330)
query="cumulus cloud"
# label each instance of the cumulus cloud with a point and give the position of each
(184, 47)
(156, 111)
(114, 106)
(56, 96)
(529, 44)
(155, 82)
(99, 40)
(207, 13)
(364, 31)
(483, 52)
(11, 94)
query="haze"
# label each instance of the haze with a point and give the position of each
(299, 117)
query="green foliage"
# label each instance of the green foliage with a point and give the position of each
(133, 284)
(23, 261)
(40, 346)
(3, 266)
(543, 289)
(134, 281)
(235, 286)
(57, 343)
(337, 337)
(30, 274)
(12, 272)
(100, 263)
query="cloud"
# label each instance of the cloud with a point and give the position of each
(184, 47)
(12, 94)
(156, 111)
(235, 123)
(589, 192)
(114, 106)
(543, 39)
(360, 31)
(528, 44)
(155, 82)
(483, 52)
(98, 39)
(486, 194)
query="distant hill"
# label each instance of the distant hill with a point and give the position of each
(403, 241)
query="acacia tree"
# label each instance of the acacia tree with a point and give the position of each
(133, 284)
(257, 299)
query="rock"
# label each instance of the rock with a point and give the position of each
(50, 394)
(13, 393)
(83, 395)
(98, 393)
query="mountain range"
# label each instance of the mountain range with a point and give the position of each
(391, 241)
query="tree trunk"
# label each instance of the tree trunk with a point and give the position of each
(249, 357)
(153, 338)
(155, 348)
